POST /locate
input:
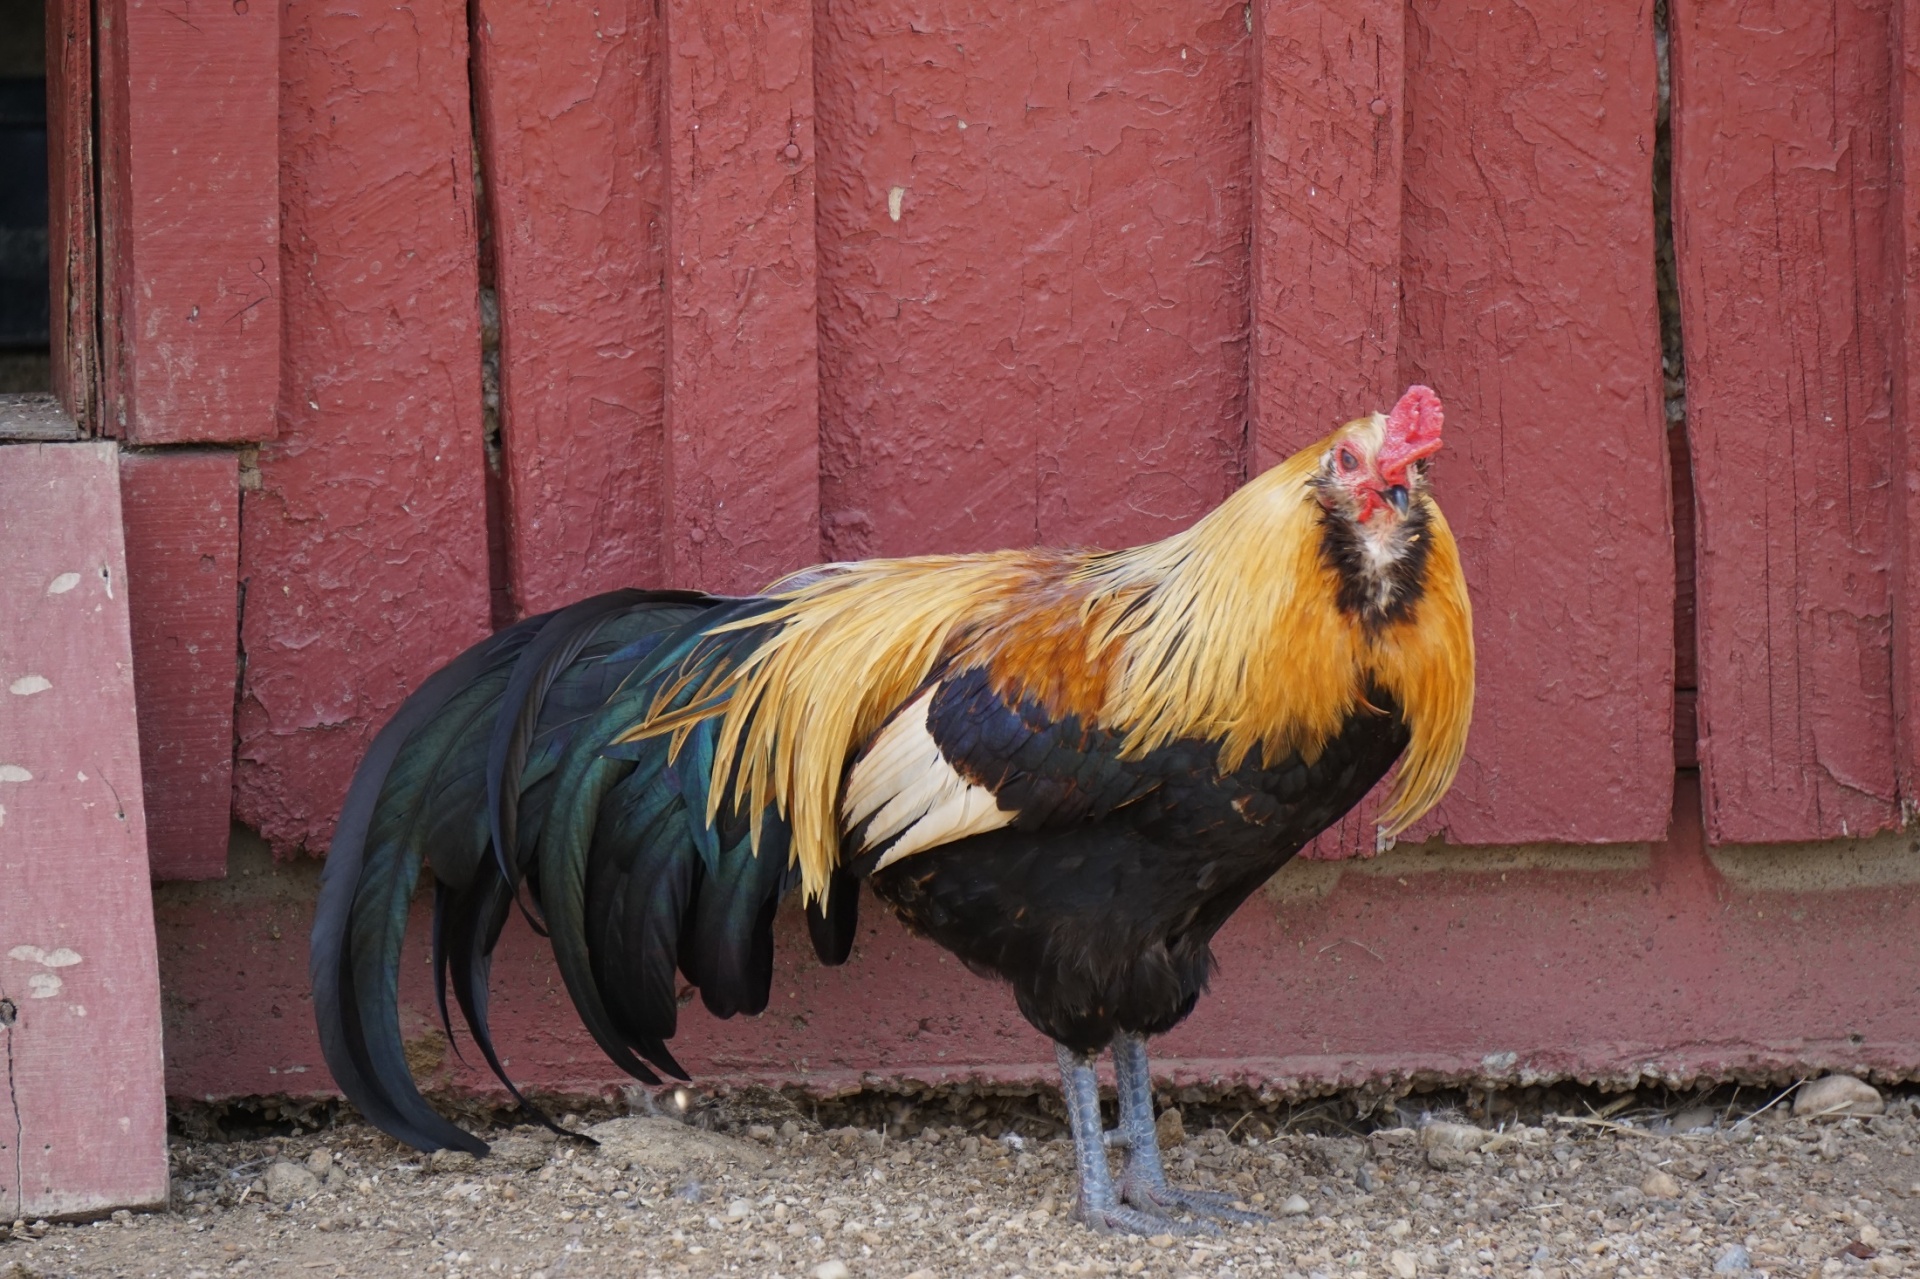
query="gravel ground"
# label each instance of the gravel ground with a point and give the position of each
(1523, 1185)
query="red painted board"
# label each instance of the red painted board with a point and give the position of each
(569, 114)
(72, 243)
(83, 1122)
(1782, 217)
(183, 543)
(1631, 965)
(363, 534)
(743, 404)
(192, 291)
(1530, 306)
(1329, 128)
(1034, 271)
(1905, 498)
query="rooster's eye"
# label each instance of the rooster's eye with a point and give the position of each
(1347, 460)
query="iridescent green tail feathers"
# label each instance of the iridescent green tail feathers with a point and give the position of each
(498, 773)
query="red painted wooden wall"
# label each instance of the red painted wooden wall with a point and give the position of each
(698, 294)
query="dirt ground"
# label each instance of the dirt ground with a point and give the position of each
(1526, 1184)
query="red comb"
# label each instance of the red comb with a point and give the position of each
(1413, 432)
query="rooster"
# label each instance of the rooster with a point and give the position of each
(1068, 768)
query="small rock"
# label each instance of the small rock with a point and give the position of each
(1295, 1206)
(738, 1210)
(1441, 1135)
(923, 1273)
(451, 1161)
(121, 1217)
(1838, 1095)
(761, 1132)
(1694, 1118)
(1400, 1229)
(669, 1146)
(1733, 1260)
(1403, 1264)
(1660, 1185)
(832, 1268)
(1170, 1128)
(1160, 1241)
(524, 1152)
(288, 1183)
(320, 1162)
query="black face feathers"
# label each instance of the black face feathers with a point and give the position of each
(1382, 574)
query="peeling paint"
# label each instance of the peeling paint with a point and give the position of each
(61, 958)
(28, 685)
(14, 773)
(43, 986)
(63, 583)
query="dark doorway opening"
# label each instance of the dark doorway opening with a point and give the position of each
(25, 308)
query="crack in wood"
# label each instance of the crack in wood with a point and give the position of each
(9, 1014)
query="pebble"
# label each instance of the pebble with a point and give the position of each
(1695, 1118)
(1442, 1135)
(1660, 1185)
(832, 1268)
(288, 1183)
(1733, 1261)
(1294, 1206)
(1170, 1128)
(1838, 1095)
(320, 1162)
(1403, 1264)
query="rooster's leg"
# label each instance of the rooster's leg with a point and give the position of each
(1096, 1205)
(1145, 1183)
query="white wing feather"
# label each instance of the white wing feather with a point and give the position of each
(907, 788)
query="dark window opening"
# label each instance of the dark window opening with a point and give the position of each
(25, 309)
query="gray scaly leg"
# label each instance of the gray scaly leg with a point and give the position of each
(1096, 1206)
(1145, 1183)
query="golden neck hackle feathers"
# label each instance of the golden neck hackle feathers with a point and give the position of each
(1227, 631)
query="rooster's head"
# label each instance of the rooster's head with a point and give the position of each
(1375, 467)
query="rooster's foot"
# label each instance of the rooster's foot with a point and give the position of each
(1118, 1219)
(1162, 1199)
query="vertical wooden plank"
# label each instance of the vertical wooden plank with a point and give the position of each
(191, 299)
(71, 236)
(1034, 271)
(1531, 307)
(83, 1119)
(183, 541)
(743, 408)
(363, 539)
(1329, 127)
(569, 110)
(1782, 214)
(1905, 498)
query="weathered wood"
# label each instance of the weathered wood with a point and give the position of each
(1531, 307)
(83, 1115)
(191, 213)
(1782, 216)
(183, 540)
(1904, 514)
(743, 405)
(568, 107)
(363, 539)
(71, 240)
(1329, 127)
(35, 417)
(1034, 271)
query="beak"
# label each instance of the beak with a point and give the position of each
(1397, 495)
